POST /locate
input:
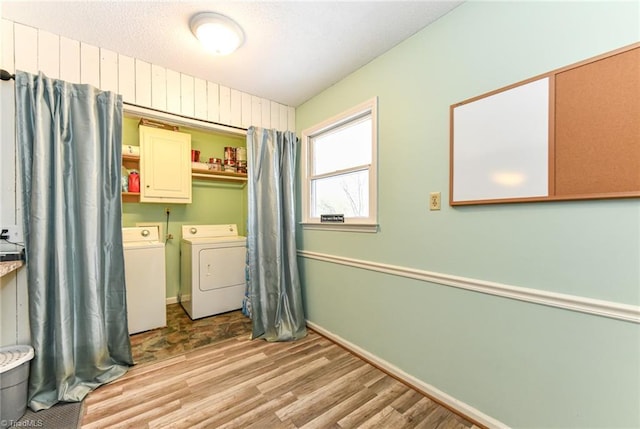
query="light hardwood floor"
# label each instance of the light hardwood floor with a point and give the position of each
(238, 383)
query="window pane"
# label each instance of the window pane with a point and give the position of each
(346, 194)
(343, 147)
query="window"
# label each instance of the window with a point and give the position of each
(339, 167)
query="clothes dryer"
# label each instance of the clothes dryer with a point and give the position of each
(212, 269)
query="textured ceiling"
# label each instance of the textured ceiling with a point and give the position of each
(293, 49)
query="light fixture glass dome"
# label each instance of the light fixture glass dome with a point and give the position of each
(218, 34)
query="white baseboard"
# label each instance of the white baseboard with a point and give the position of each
(172, 300)
(439, 396)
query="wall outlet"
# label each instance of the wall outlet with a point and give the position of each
(434, 201)
(11, 233)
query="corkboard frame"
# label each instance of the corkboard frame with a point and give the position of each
(563, 172)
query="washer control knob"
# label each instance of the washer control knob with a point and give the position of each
(193, 230)
(145, 232)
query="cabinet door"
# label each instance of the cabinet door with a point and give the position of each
(165, 166)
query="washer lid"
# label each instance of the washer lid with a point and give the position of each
(145, 234)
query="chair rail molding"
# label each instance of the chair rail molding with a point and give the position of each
(610, 309)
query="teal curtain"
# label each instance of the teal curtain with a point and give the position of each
(69, 143)
(273, 279)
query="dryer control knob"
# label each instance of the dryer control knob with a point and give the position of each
(193, 230)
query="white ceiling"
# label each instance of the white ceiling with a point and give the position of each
(293, 49)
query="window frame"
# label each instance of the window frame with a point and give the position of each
(368, 224)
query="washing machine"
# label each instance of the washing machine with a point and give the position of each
(144, 270)
(212, 269)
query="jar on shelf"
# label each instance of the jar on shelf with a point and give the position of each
(124, 179)
(215, 164)
(230, 166)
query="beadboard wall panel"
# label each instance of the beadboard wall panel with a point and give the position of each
(89, 65)
(6, 59)
(173, 92)
(256, 108)
(143, 83)
(49, 54)
(126, 78)
(108, 70)
(140, 82)
(25, 48)
(265, 106)
(200, 98)
(158, 87)
(236, 108)
(213, 102)
(186, 96)
(69, 60)
(275, 114)
(225, 104)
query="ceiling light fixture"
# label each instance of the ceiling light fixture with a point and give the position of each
(218, 34)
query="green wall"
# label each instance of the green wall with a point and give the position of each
(212, 202)
(524, 364)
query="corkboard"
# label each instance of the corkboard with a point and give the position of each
(597, 127)
(593, 133)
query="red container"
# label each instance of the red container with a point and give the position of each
(195, 155)
(134, 181)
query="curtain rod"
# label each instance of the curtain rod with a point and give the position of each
(5, 75)
(202, 121)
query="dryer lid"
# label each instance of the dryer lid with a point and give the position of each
(209, 231)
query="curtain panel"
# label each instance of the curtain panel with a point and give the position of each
(273, 280)
(69, 140)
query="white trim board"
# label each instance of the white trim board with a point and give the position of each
(610, 309)
(466, 410)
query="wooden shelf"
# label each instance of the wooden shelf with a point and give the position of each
(131, 162)
(131, 197)
(223, 176)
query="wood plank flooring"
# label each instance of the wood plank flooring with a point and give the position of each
(239, 383)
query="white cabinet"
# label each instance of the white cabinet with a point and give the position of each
(165, 166)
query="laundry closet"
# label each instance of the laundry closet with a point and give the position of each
(215, 199)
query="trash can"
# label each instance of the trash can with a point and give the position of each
(14, 373)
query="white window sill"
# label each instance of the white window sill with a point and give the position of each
(350, 227)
